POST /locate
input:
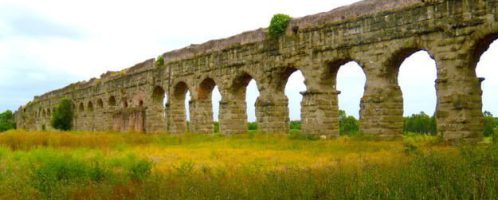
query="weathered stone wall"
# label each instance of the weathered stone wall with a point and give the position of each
(377, 34)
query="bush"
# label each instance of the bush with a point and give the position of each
(7, 121)
(216, 127)
(489, 124)
(159, 61)
(252, 126)
(295, 125)
(278, 25)
(420, 123)
(139, 170)
(348, 125)
(62, 118)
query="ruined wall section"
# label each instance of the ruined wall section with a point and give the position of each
(91, 102)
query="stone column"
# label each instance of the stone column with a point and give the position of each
(272, 112)
(176, 117)
(233, 117)
(459, 109)
(109, 118)
(381, 107)
(319, 113)
(201, 119)
(155, 118)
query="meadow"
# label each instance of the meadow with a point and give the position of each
(82, 165)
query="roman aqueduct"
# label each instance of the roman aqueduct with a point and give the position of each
(377, 34)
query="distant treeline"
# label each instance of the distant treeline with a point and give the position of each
(417, 123)
(7, 121)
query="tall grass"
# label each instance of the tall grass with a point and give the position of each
(57, 165)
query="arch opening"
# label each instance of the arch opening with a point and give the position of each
(90, 106)
(346, 79)
(100, 104)
(182, 97)
(112, 101)
(350, 84)
(125, 103)
(416, 78)
(208, 93)
(485, 68)
(294, 87)
(82, 107)
(245, 90)
(158, 95)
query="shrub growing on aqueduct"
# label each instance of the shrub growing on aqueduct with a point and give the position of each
(62, 118)
(278, 25)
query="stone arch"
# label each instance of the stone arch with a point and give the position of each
(484, 54)
(294, 88)
(158, 95)
(112, 101)
(391, 95)
(283, 75)
(329, 77)
(202, 120)
(205, 88)
(177, 113)
(399, 56)
(90, 106)
(100, 103)
(241, 81)
(329, 89)
(125, 103)
(81, 108)
(481, 45)
(349, 84)
(234, 106)
(180, 89)
(156, 114)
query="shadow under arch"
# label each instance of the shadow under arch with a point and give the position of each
(112, 101)
(90, 106)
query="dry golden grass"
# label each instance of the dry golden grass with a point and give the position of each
(82, 165)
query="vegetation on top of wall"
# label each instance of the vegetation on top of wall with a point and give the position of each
(159, 61)
(7, 121)
(278, 25)
(62, 118)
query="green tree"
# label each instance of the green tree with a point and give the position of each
(489, 124)
(278, 25)
(295, 125)
(420, 123)
(62, 118)
(348, 125)
(7, 121)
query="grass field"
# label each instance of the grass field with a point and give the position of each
(78, 165)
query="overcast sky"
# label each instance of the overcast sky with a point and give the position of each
(45, 45)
